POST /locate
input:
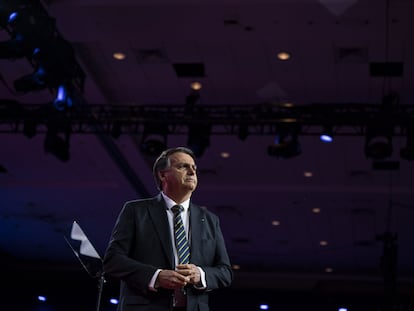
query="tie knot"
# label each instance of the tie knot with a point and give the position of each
(177, 209)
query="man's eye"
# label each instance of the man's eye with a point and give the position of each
(186, 166)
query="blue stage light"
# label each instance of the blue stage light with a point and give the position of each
(41, 298)
(327, 134)
(326, 138)
(12, 17)
(62, 100)
(32, 82)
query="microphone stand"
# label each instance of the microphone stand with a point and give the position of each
(99, 275)
(101, 283)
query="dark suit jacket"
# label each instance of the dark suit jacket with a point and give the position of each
(141, 243)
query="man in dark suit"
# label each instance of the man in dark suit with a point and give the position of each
(142, 251)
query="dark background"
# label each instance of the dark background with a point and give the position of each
(324, 226)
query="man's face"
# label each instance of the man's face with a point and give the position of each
(181, 176)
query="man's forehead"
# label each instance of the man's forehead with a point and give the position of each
(182, 157)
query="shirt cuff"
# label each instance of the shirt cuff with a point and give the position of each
(151, 285)
(203, 282)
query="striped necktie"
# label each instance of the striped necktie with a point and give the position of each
(181, 243)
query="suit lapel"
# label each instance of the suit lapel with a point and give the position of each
(160, 220)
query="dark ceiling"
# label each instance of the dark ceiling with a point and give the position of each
(266, 204)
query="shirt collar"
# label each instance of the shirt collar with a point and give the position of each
(170, 203)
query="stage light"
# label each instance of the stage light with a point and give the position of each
(24, 34)
(33, 35)
(198, 132)
(41, 298)
(12, 17)
(191, 102)
(153, 146)
(407, 152)
(243, 132)
(154, 139)
(7, 17)
(285, 150)
(326, 138)
(198, 138)
(33, 82)
(286, 143)
(327, 135)
(62, 100)
(57, 146)
(114, 301)
(57, 138)
(378, 141)
(378, 147)
(12, 48)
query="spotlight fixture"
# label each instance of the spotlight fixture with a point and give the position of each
(28, 27)
(327, 135)
(62, 100)
(286, 143)
(32, 82)
(57, 145)
(378, 141)
(12, 17)
(58, 134)
(198, 132)
(152, 146)
(284, 149)
(154, 139)
(243, 132)
(16, 46)
(199, 138)
(190, 102)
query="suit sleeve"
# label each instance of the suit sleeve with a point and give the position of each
(117, 260)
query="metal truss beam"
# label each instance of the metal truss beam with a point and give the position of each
(263, 119)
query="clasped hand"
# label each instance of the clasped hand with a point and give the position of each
(175, 279)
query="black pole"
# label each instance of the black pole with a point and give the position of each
(101, 282)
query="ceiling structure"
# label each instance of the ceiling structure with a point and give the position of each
(320, 219)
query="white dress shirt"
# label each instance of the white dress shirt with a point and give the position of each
(185, 215)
